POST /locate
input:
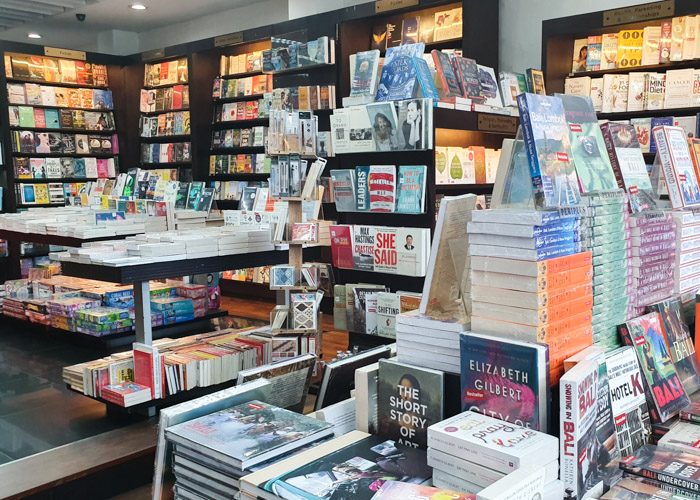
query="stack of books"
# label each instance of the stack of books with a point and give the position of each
(652, 251)
(492, 456)
(686, 272)
(607, 220)
(212, 452)
(63, 310)
(101, 321)
(429, 343)
(530, 281)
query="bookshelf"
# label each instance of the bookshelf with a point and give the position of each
(61, 123)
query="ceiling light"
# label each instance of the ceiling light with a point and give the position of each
(138, 6)
(33, 35)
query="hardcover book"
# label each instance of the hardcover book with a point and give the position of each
(410, 197)
(629, 406)
(249, 433)
(410, 399)
(548, 148)
(364, 74)
(398, 79)
(381, 183)
(505, 379)
(678, 169)
(363, 247)
(680, 343)
(449, 83)
(587, 145)
(361, 188)
(662, 385)
(344, 189)
(342, 246)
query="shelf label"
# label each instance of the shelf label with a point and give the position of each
(65, 53)
(387, 5)
(153, 54)
(637, 13)
(230, 39)
(495, 123)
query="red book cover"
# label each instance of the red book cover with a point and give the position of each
(382, 188)
(341, 246)
(39, 119)
(143, 368)
(177, 97)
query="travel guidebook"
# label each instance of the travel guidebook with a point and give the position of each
(548, 149)
(505, 379)
(410, 399)
(681, 470)
(587, 145)
(662, 385)
(680, 343)
(354, 472)
(249, 433)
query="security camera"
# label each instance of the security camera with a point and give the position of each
(80, 17)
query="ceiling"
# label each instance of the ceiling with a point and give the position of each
(56, 20)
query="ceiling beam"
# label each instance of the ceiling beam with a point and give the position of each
(31, 7)
(68, 4)
(5, 14)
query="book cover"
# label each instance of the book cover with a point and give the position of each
(381, 183)
(671, 468)
(355, 471)
(426, 82)
(363, 247)
(469, 76)
(587, 145)
(651, 50)
(683, 437)
(398, 79)
(362, 188)
(388, 306)
(535, 81)
(642, 488)
(364, 75)
(344, 189)
(360, 296)
(249, 433)
(489, 87)
(580, 55)
(593, 54)
(608, 57)
(548, 149)
(662, 385)
(629, 48)
(410, 197)
(449, 83)
(391, 490)
(342, 246)
(680, 343)
(678, 169)
(678, 88)
(505, 379)
(410, 399)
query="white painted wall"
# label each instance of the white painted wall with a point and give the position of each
(260, 13)
(303, 8)
(520, 26)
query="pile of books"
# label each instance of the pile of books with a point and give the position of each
(101, 321)
(686, 271)
(422, 341)
(212, 453)
(530, 281)
(512, 456)
(612, 282)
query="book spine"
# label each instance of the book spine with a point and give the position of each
(487, 457)
(665, 155)
(532, 157)
(566, 263)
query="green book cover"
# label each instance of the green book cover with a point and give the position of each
(26, 116)
(410, 399)
(587, 145)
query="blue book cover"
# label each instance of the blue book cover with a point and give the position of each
(398, 80)
(79, 167)
(362, 188)
(548, 149)
(655, 122)
(505, 379)
(410, 195)
(425, 79)
(52, 118)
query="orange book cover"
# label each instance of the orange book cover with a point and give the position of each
(570, 277)
(560, 264)
(563, 328)
(479, 163)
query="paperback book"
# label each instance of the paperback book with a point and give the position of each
(681, 470)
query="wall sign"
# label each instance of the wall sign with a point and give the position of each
(498, 124)
(230, 39)
(387, 5)
(65, 53)
(637, 13)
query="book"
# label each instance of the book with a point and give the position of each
(398, 78)
(489, 87)
(248, 434)
(410, 190)
(449, 83)
(678, 169)
(587, 145)
(344, 189)
(593, 55)
(580, 55)
(662, 385)
(586, 428)
(493, 443)
(379, 461)
(535, 81)
(363, 81)
(651, 50)
(342, 243)
(654, 90)
(505, 379)
(392, 490)
(642, 488)
(629, 48)
(546, 135)
(381, 183)
(608, 56)
(361, 188)
(680, 343)
(681, 470)
(678, 88)
(683, 437)
(410, 399)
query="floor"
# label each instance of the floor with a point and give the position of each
(37, 411)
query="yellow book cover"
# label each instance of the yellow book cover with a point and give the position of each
(629, 49)
(42, 194)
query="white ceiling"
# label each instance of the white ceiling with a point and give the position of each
(55, 20)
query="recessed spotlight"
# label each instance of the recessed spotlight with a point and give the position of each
(138, 6)
(33, 35)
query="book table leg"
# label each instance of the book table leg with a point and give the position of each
(142, 303)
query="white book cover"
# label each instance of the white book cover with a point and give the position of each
(510, 87)
(695, 98)
(466, 156)
(91, 168)
(690, 33)
(677, 35)
(678, 88)
(597, 93)
(441, 165)
(620, 86)
(371, 314)
(650, 48)
(683, 437)
(388, 306)
(608, 93)
(53, 168)
(635, 91)
(654, 91)
(678, 168)
(526, 483)
(608, 53)
(490, 90)
(455, 168)
(580, 85)
(492, 443)
(642, 127)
